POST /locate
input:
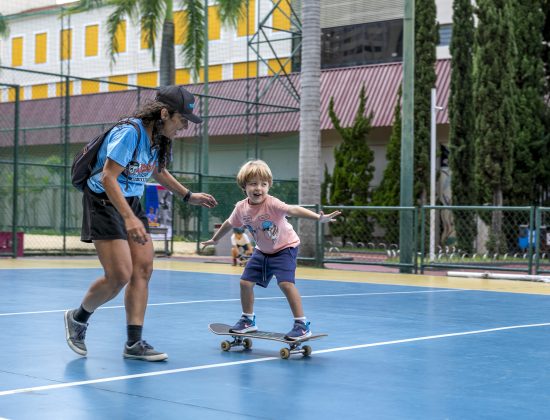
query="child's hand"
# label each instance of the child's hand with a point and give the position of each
(208, 242)
(325, 218)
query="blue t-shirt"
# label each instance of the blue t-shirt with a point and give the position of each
(119, 146)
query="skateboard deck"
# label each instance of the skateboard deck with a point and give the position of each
(245, 340)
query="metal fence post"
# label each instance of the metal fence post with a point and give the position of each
(14, 241)
(537, 240)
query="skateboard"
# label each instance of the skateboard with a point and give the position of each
(245, 340)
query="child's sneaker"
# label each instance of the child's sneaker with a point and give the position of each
(299, 331)
(141, 350)
(244, 325)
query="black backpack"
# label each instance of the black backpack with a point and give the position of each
(85, 160)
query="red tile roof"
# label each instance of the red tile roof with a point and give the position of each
(381, 83)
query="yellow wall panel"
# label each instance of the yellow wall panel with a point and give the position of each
(117, 79)
(180, 26)
(275, 67)
(149, 79)
(183, 77)
(17, 51)
(241, 25)
(89, 86)
(91, 41)
(39, 91)
(65, 44)
(214, 27)
(281, 15)
(239, 70)
(214, 73)
(120, 37)
(40, 48)
(60, 88)
(11, 94)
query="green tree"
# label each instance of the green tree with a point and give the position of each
(353, 171)
(387, 193)
(461, 113)
(531, 160)
(157, 17)
(426, 39)
(494, 107)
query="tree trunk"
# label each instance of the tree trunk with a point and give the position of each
(310, 113)
(167, 68)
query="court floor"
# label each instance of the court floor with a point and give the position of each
(399, 347)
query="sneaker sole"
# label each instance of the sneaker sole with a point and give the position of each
(155, 358)
(68, 337)
(298, 338)
(246, 330)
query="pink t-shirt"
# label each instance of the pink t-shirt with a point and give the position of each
(267, 224)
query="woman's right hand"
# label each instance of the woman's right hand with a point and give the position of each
(136, 230)
(208, 242)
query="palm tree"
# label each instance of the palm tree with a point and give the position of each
(310, 115)
(4, 30)
(156, 16)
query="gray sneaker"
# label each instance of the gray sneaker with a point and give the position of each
(75, 332)
(141, 350)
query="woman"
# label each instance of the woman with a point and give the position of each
(114, 221)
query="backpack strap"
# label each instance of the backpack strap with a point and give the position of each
(134, 156)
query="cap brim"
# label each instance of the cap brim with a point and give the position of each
(192, 117)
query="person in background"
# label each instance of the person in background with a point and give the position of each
(240, 244)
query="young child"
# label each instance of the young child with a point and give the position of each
(276, 245)
(240, 244)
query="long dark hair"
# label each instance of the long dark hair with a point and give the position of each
(149, 114)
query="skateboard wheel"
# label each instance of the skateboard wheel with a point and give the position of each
(307, 351)
(285, 353)
(226, 345)
(247, 343)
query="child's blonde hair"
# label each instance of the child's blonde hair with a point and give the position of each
(253, 169)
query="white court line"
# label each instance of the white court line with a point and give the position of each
(264, 359)
(187, 302)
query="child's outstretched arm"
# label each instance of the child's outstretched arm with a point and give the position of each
(226, 227)
(302, 212)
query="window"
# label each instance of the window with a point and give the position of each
(118, 79)
(242, 22)
(60, 88)
(40, 48)
(91, 41)
(445, 34)
(183, 77)
(214, 73)
(39, 91)
(275, 66)
(281, 16)
(89, 86)
(149, 79)
(146, 37)
(65, 44)
(11, 94)
(214, 27)
(180, 26)
(120, 38)
(240, 70)
(17, 52)
(366, 43)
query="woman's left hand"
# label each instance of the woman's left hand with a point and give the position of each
(203, 199)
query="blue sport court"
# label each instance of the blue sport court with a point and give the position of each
(399, 347)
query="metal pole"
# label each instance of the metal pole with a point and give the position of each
(406, 235)
(432, 175)
(204, 149)
(15, 171)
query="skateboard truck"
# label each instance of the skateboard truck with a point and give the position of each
(246, 343)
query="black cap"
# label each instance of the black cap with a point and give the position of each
(180, 99)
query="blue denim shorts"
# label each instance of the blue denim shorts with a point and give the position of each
(261, 267)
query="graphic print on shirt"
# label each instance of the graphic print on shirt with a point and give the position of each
(271, 230)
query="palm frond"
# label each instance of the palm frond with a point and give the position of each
(4, 28)
(123, 8)
(193, 47)
(230, 11)
(153, 13)
(84, 5)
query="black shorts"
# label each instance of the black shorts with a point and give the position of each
(101, 220)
